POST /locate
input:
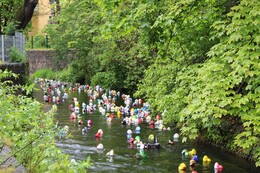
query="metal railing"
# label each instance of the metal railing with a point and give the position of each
(7, 42)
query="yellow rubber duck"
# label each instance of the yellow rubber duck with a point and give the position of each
(206, 159)
(118, 114)
(192, 152)
(182, 168)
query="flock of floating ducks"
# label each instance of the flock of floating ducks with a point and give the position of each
(134, 112)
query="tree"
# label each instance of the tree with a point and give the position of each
(184, 40)
(207, 78)
(109, 44)
(15, 15)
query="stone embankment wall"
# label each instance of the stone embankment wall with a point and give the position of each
(39, 59)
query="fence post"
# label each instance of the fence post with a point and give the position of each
(32, 42)
(3, 49)
(47, 41)
(23, 43)
(14, 39)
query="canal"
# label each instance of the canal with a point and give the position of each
(165, 159)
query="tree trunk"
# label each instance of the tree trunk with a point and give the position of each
(25, 13)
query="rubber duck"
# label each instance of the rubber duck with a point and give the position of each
(112, 116)
(139, 120)
(182, 167)
(110, 153)
(129, 132)
(73, 116)
(151, 124)
(89, 122)
(206, 159)
(131, 140)
(118, 114)
(54, 107)
(171, 142)
(109, 119)
(53, 99)
(138, 130)
(185, 152)
(80, 122)
(124, 121)
(73, 162)
(192, 152)
(99, 134)
(79, 116)
(141, 155)
(192, 164)
(218, 167)
(76, 109)
(148, 119)
(84, 130)
(141, 146)
(137, 139)
(151, 138)
(195, 158)
(176, 136)
(140, 101)
(100, 146)
(66, 128)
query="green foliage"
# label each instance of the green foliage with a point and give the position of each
(209, 89)
(46, 73)
(184, 39)
(235, 69)
(7, 13)
(16, 55)
(29, 132)
(105, 79)
(37, 41)
(64, 75)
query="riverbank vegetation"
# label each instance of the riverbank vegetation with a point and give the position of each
(196, 61)
(30, 133)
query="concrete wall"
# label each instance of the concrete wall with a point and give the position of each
(39, 59)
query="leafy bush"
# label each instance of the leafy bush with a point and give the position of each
(47, 73)
(44, 73)
(64, 75)
(105, 79)
(16, 55)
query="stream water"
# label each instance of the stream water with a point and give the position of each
(166, 159)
